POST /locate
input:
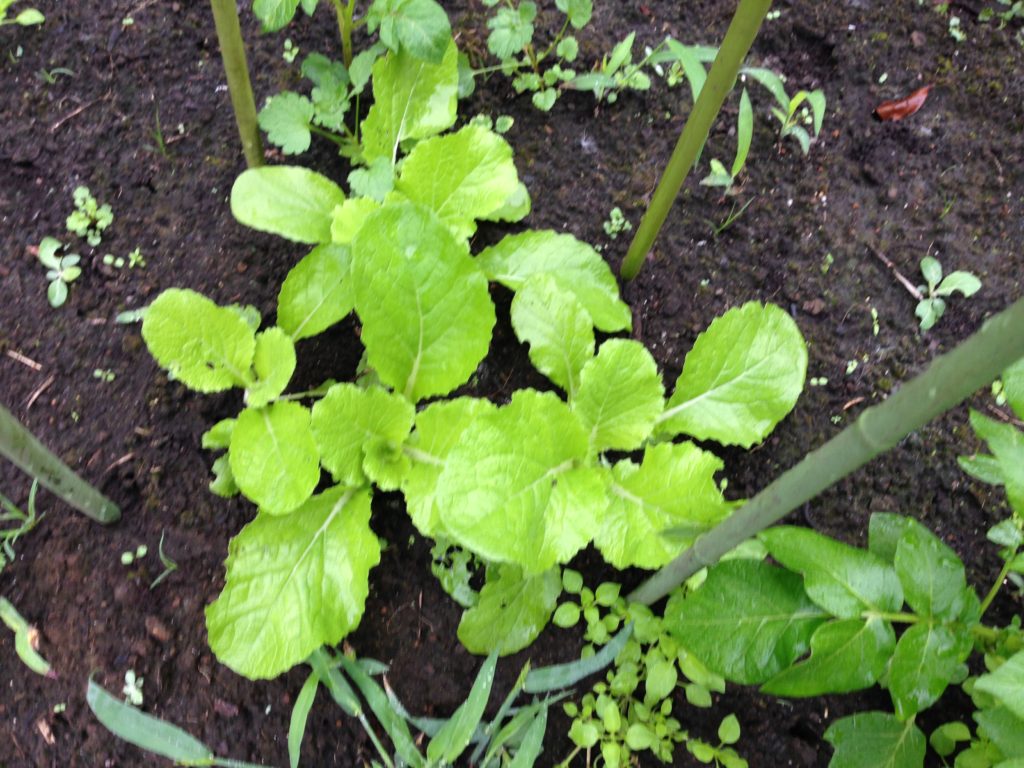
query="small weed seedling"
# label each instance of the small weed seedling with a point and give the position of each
(26, 639)
(169, 565)
(24, 522)
(104, 374)
(133, 688)
(26, 18)
(89, 219)
(61, 271)
(128, 557)
(49, 76)
(290, 51)
(931, 308)
(616, 224)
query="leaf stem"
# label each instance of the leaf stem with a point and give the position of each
(1003, 573)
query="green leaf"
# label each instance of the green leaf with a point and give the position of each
(510, 489)
(747, 622)
(274, 14)
(413, 99)
(575, 265)
(273, 456)
(875, 740)
(559, 676)
(57, 293)
(1004, 729)
(218, 437)
(1006, 684)
(1013, 386)
(620, 396)
(317, 292)
(274, 364)
(729, 730)
(945, 738)
(926, 659)
(513, 610)
(205, 347)
(223, 483)
(286, 119)
(578, 11)
(374, 181)
(557, 328)
(29, 17)
(515, 208)
(462, 176)
(744, 133)
(843, 580)
(511, 29)
(285, 200)
(932, 575)
(743, 375)
(545, 100)
(418, 27)
(964, 282)
(350, 422)
(884, 533)
(455, 735)
(293, 584)
(425, 306)
(674, 487)
(300, 714)
(846, 655)
(439, 428)
(1007, 445)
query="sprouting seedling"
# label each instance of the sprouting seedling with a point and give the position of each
(25, 522)
(169, 565)
(61, 270)
(26, 18)
(26, 640)
(89, 219)
(932, 304)
(128, 557)
(617, 223)
(290, 51)
(133, 688)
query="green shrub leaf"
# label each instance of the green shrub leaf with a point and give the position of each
(575, 265)
(743, 375)
(317, 292)
(1006, 684)
(512, 611)
(932, 575)
(205, 347)
(425, 306)
(1007, 445)
(747, 622)
(418, 27)
(673, 487)
(273, 457)
(926, 659)
(293, 584)
(293, 202)
(843, 580)
(875, 740)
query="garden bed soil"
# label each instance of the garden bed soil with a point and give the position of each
(947, 181)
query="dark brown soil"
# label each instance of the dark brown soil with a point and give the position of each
(947, 181)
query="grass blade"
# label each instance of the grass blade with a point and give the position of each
(744, 133)
(533, 742)
(560, 676)
(452, 740)
(300, 714)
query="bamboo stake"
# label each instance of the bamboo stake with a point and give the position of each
(232, 51)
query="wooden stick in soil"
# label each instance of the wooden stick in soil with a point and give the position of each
(22, 448)
(738, 39)
(232, 51)
(951, 378)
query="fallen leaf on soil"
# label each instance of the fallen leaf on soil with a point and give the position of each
(900, 108)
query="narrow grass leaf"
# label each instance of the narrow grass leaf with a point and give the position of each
(559, 676)
(300, 714)
(451, 741)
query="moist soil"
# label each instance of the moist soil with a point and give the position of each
(145, 123)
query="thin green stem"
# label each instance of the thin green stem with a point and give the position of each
(21, 447)
(974, 364)
(895, 618)
(985, 633)
(232, 51)
(738, 39)
(555, 42)
(339, 140)
(344, 13)
(1003, 573)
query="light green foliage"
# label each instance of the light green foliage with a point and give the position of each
(426, 311)
(874, 740)
(27, 17)
(616, 73)
(931, 308)
(454, 568)
(413, 99)
(616, 224)
(512, 610)
(1005, 465)
(23, 523)
(1013, 387)
(1006, 685)
(275, 14)
(719, 176)
(317, 293)
(292, 202)
(673, 487)
(89, 219)
(273, 456)
(273, 364)
(286, 119)
(744, 373)
(575, 266)
(511, 29)
(417, 27)
(25, 639)
(463, 176)
(294, 583)
(60, 270)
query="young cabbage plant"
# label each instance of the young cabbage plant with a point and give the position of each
(932, 305)
(61, 271)
(27, 17)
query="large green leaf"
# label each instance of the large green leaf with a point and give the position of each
(274, 364)
(1002, 728)
(1007, 684)
(273, 456)
(932, 575)
(317, 292)
(205, 347)
(512, 611)
(274, 14)
(511, 490)
(575, 265)
(674, 487)
(747, 622)
(743, 375)
(419, 27)
(349, 423)
(293, 584)
(620, 396)
(413, 99)
(1007, 445)
(461, 176)
(846, 655)
(439, 427)
(293, 202)
(875, 740)
(843, 580)
(1013, 387)
(557, 328)
(927, 658)
(425, 306)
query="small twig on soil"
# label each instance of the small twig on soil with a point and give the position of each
(856, 401)
(1003, 417)
(38, 391)
(123, 460)
(911, 288)
(26, 361)
(75, 112)
(140, 7)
